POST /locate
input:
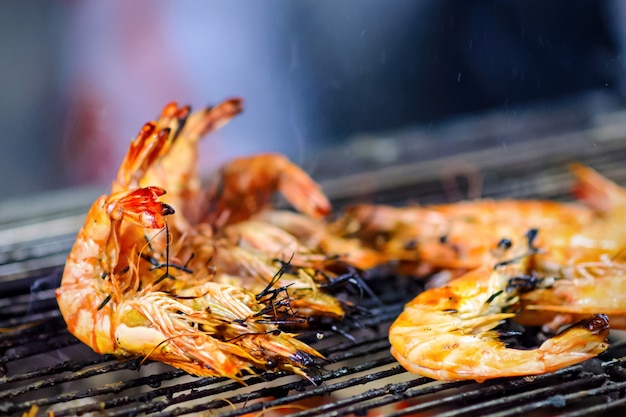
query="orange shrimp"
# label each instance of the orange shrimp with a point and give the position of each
(117, 298)
(448, 333)
(463, 235)
(215, 230)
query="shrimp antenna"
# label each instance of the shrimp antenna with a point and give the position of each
(278, 308)
(105, 275)
(289, 316)
(167, 258)
(156, 265)
(106, 300)
(350, 277)
(275, 332)
(277, 276)
(161, 343)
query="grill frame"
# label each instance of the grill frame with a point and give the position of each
(360, 377)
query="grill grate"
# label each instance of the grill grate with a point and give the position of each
(42, 364)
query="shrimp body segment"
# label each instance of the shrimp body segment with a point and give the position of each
(316, 234)
(448, 333)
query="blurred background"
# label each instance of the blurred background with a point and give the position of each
(79, 78)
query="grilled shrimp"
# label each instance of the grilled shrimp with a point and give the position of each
(449, 333)
(119, 294)
(456, 238)
(108, 305)
(214, 229)
(253, 269)
(464, 235)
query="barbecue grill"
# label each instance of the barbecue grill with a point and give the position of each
(521, 153)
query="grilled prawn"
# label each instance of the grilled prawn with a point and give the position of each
(448, 333)
(107, 303)
(133, 284)
(465, 235)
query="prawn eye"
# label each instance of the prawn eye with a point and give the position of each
(271, 363)
(531, 235)
(505, 244)
(167, 210)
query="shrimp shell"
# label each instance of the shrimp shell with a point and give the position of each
(448, 333)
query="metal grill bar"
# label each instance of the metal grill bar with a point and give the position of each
(392, 393)
(270, 392)
(337, 352)
(533, 396)
(597, 409)
(479, 392)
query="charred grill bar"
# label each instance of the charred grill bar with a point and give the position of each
(42, 365)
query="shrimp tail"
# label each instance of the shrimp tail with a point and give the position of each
(595, 190)
(210, 119)
(144, 150)
(588, 337)
(156, 139)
